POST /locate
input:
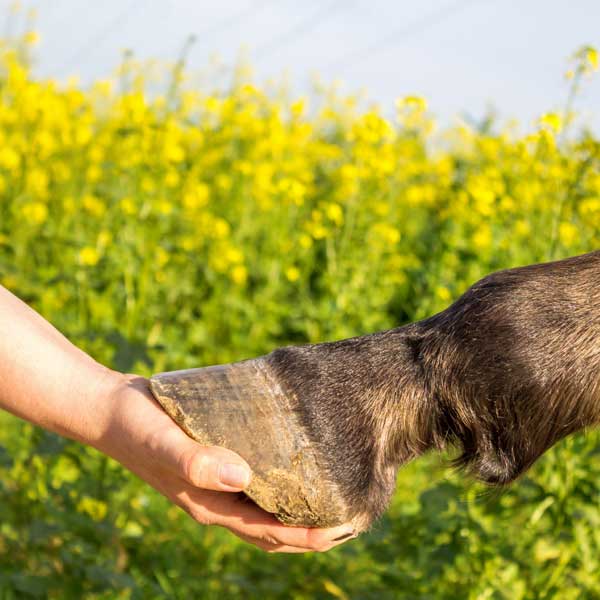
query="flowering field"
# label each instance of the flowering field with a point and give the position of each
(170, 231)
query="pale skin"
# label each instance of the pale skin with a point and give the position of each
(48, 381)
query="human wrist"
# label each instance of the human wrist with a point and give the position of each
(121, 406)
(92, 421)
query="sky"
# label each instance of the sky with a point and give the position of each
(463, 56)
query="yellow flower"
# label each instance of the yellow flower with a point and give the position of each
(416, 102)
(292, 274)
(89, 256)
(386, 233)
(162, 257)
(9, 158)
(221, 228)
(174, 152)
(96, 153)
(128, 206)
(305, 241)
(244, 167)
(507, 204)
(585, 60)
(297, 108)
(567, 233)
(590, 209)
(234, 256)
(94, 205)
(482, 239)
(239, 274)
(188, 243)
(62, 171)
(96, 509)
(172, 179)
(45, 142)
(223, 182)
(553, 121)
(592, 58)
(69, 205)
(35, 212)
(164, 206)
(318, 231)
(31, 38)
(148, 184)
(334, 213)
(93, 173)
(83, 134)
(443, 293)
(103, 87)
(104, 238)
(37, 182)
(522, 228)
(196, 197)
(293, 190)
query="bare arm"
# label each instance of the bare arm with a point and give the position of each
(45, 379)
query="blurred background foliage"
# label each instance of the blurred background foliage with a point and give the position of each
(166, 231)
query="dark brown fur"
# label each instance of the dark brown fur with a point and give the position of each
(502, 374)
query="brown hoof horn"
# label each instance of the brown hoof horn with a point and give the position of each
(241, 406)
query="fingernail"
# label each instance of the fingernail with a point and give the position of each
(345, 536)
(234, 475)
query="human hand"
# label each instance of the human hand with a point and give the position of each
(201, 480)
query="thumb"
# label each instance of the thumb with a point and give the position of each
(207, 467)
(214, 468)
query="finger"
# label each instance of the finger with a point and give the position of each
(203, 516)
(207, 467)
(272, 548)
(269, 541)
(246, 518)
(264, 526)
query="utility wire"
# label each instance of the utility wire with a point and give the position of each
(301, 28)
(101, 35)
(417, 26)
(293, 33)
(231, 21)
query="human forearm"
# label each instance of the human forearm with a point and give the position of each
(47, 380)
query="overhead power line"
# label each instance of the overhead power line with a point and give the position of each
(293, 34)
(231, 21)
(417, 26)
(101, 35)
(301, 28)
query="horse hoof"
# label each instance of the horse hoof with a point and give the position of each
(241, 406)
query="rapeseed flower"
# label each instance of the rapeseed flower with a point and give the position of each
(89, 256)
